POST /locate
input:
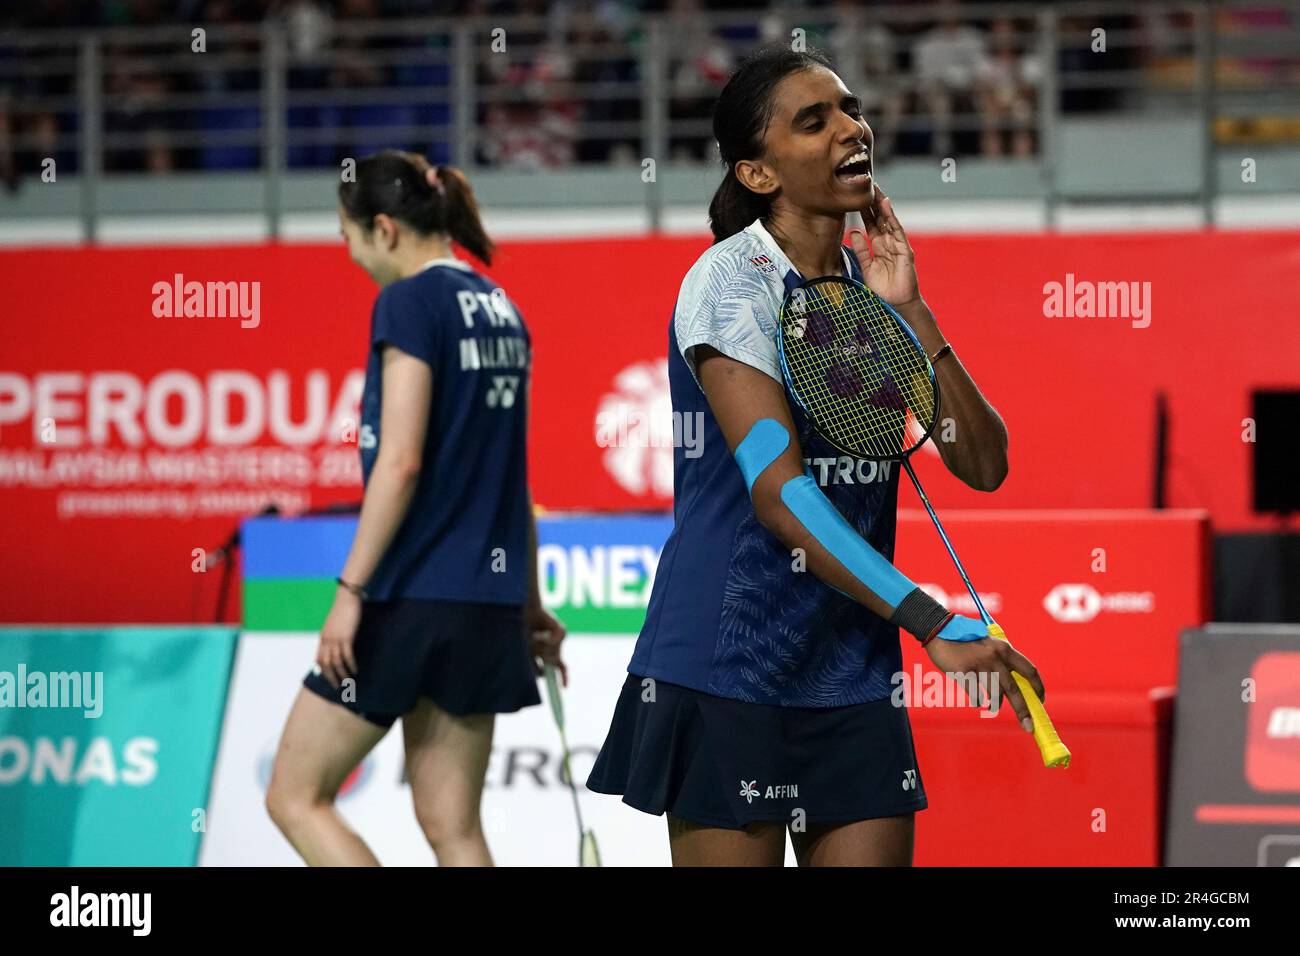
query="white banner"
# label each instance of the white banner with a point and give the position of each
(527, 811)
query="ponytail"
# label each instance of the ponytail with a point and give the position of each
(462, 218)
(396, 184)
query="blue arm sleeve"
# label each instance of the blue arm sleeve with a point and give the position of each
(815, 512)
(764, 444)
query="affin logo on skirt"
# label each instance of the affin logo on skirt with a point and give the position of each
(749, 790)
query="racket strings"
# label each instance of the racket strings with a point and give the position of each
(866, 381)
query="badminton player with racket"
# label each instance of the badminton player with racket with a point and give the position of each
(758, 697)
(436, 619)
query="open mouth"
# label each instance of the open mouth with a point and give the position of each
(856, 169)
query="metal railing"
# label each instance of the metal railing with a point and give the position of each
(520, 93)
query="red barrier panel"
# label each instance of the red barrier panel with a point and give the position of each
(993, 803)
(1102, 641)
(129, 439)
(1038, 574)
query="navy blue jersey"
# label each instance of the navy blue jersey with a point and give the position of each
(465, 536)
(731, 613)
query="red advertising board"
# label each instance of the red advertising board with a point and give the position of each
(1097, 601)
(993, 803)
(129, 437)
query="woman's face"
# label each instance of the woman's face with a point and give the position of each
(818, 148)
(369, 248)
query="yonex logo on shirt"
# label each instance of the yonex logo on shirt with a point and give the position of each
(502, 392)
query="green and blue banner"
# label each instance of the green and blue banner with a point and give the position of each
(596, 571)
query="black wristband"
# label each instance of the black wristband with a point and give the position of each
(918, 614)
(356, 589)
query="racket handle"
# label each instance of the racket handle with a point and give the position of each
(1054, 751)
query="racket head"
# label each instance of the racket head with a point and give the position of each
(857, 369)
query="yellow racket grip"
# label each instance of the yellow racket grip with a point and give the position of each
(1054, 751)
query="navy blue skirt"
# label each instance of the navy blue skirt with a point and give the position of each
(727, 763)
(467, 658)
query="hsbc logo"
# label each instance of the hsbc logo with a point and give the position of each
(1072, 603)
(1079, 603)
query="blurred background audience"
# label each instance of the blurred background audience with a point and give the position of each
(568, 87)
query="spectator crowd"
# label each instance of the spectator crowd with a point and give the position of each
(569, 87)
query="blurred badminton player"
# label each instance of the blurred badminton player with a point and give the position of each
(437, 603)
(758, 697)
